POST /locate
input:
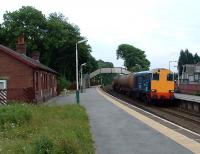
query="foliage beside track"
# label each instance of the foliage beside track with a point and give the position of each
(44, 129)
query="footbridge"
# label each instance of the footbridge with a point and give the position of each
(118, 70)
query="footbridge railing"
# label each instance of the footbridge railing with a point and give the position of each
(118, 70)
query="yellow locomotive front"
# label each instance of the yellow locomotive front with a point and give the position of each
(162, 84)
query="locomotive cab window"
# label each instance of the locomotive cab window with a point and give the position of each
(155, 76)
(169, 77)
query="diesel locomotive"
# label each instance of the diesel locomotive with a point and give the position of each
(154, 85)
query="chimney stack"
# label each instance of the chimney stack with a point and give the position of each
(36, 56)
(21, 46)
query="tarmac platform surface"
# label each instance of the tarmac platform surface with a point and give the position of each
(117, 132)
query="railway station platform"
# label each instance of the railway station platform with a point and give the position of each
(187, 97)
(118, 129)
(189, 102)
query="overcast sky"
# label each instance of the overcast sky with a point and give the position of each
(161, 28)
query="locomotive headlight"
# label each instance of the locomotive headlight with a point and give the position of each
(171, 91)
(153, 90)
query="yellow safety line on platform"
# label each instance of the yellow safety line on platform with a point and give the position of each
(177, 137)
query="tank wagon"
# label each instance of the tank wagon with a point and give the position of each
(156, 84)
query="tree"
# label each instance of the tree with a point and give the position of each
(53, 36)
(1, 34)
(103, 64)
(196, 58)
(186, 57)
(182, 60)
(61, 40)
(189, 57)
(134, 58)
(26, 21)
(91, 66)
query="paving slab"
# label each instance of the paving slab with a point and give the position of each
(116, 132)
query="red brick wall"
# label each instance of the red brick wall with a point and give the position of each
(17, 74)
(47, 85)
(188, 88)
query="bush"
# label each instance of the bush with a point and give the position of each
(43, 145)
(63, 83)
(15, 114)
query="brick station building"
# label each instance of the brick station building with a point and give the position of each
(24, 78)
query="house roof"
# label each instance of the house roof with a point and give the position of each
(25, 59)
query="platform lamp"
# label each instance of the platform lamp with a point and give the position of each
(174, 61)
(77, 87)
(84, 64)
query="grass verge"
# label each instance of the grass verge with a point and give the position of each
(44, 130)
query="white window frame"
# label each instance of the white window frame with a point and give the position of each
(4, 83)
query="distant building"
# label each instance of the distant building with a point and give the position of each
(191, 73)
(24, 78)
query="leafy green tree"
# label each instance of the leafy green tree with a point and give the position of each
(91, 65)
(186, 57)
(134, 58)
(136, 68)
(26, 21)
(103, 64)
(189, 57)
(196, 58)
(182, 60)
(61, 40)
(53, 36)
(1, 34)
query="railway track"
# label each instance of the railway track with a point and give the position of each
(171, 113)
(188, 116)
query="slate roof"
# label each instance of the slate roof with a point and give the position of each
(25, 59)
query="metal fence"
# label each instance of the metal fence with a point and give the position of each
(23, 94)
(118, 70)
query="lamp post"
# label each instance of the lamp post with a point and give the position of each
(84, 64)
(172, 61)
(77, 88)
(177, 69)
(178, 76)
